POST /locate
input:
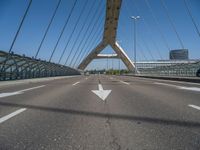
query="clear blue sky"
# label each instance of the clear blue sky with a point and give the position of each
(150, 42)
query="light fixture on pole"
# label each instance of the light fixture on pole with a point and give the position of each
(135, 56)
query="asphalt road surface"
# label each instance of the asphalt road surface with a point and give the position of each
(100, 112)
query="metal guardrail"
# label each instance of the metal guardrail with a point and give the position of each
(13, 66)
(178, 70)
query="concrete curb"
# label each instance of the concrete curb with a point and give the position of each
(34, 80)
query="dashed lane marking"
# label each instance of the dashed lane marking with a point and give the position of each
(19, 92)
(3, 119)
(194, 106)
(76, 83)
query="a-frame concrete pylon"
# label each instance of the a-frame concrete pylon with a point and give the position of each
(109, 38)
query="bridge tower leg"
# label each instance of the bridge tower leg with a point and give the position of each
(109, 37)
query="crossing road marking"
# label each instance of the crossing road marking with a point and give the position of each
(76, 83)
(19, 92)
(3, 119)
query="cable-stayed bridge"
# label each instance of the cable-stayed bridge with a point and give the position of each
(85, 39)
(146, 97)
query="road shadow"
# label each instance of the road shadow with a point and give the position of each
(159, 121)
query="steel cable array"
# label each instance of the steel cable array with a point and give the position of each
(89, 47)
(172, 24)
(82, 54)
(47, 29)
(62, 31)
(147, 26)
(85, 33)
(79, 33)
(191, 16)
(72, 33)
(20, 26)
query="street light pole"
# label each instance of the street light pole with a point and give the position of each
(135, 52)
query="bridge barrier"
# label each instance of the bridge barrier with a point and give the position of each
(14, 66)
(173, 70)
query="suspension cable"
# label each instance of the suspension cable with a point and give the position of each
(86, 31)
(147, 27)
(157, 23)
(63, 29)
(80, 32)
(89, 35)
(90, 45)
(142, 52)
(47, 29)
(147, 48)
(191, 16)
(20, 26)
(145, 43)
(72, 33)
(171, 22)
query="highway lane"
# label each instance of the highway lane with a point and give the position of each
(66, 114)
(50, 85)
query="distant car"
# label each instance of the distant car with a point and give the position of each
(198, 73)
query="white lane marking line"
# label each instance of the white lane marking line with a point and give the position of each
(191, 88)
(32, 88)
(100, 87)
(76, 83)
(101, 93)
(180, 87)
(160, 80)
(124, 82)
(2, 119)
(194, 106)
(19, 92)
(86, 78)
(165, 84)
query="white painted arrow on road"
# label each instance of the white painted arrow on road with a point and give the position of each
(103, 94)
